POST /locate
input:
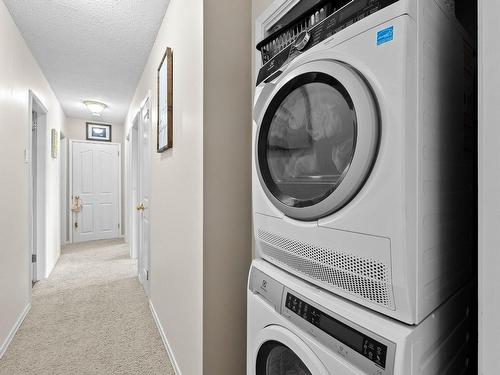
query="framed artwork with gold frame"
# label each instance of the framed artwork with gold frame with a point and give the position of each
(165, 127)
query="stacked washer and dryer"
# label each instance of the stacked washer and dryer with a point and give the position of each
(360, 192)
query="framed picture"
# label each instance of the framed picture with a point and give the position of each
(98, 132)
(165, 128)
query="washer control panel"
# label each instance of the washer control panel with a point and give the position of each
(361, 343)
(359, 346)
(356, 344)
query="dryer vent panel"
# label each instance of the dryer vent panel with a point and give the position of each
(334, 270)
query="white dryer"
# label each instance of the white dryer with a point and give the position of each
(297, 329)
(359, 180)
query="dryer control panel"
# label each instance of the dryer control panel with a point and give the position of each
(302, 29)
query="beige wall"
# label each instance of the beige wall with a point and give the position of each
(177, 186)
(227, 229)
(260, 5)
(76, 128)
(19, 73)
(201, 189)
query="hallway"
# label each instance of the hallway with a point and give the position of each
(90, 317)
(125, 119)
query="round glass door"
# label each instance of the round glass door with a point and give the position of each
(275, 358)
(307, 142)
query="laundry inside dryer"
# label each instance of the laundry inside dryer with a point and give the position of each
(310, 142)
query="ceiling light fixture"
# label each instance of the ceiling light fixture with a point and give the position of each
(95, 107)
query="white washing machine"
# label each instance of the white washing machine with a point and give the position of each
(359, 179)
(298, 329)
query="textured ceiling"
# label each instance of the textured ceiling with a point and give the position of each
(90, 49)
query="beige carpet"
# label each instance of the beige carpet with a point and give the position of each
(90, 317)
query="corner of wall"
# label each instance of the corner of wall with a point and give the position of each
(227, 109)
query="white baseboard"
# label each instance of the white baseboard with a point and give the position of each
(165, 340)
(14, 329)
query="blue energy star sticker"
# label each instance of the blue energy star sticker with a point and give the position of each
(386, 35)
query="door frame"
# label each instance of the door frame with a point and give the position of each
(137, 228)
(134, 179)
(63, 171)
(37, 272)
(70, 183)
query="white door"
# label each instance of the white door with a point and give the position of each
(143, 208)
(95, 190)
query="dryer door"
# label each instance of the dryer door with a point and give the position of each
(317, 139)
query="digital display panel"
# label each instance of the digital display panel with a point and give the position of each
(341, 332)
(361, 343)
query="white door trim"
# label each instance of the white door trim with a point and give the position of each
(63, 165)
(70, 179)
(33, 100)
(94, 142)
(70, 191)
(133, 180)
(142, 124)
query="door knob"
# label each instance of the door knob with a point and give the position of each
(140, 207)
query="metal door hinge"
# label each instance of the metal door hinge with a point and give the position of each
(147, 275)
(118, 225)
(33, 258)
